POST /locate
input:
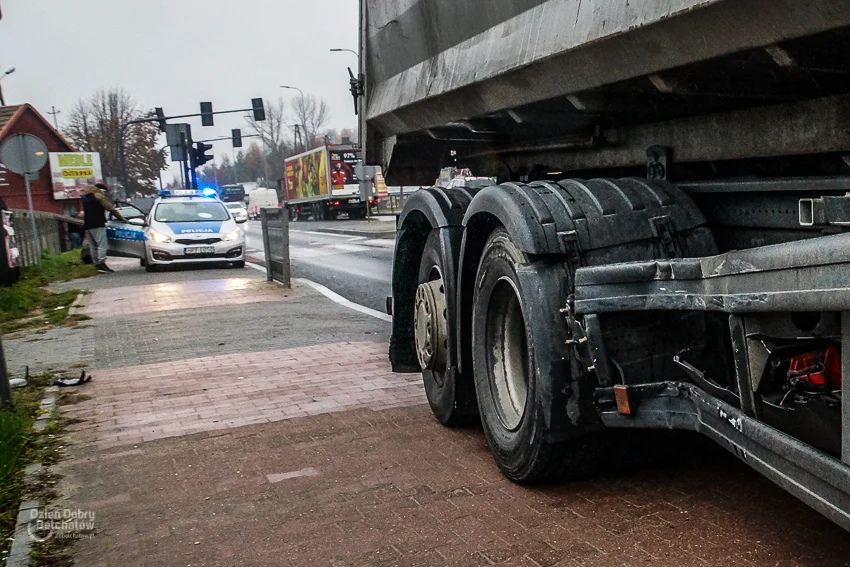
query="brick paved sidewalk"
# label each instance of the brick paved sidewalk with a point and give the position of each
(232, 422)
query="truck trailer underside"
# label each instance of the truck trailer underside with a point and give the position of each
(666, 247)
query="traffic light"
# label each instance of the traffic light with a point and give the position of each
(206, 114)
(236, 134)
(259, 109)
(160, 113)
(200, 154)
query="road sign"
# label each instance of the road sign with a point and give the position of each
(24, 154)
(178, 136)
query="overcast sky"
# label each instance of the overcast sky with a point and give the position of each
(176, 53)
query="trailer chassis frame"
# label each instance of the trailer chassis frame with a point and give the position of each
(750, 285)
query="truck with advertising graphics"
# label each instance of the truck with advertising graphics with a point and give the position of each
(322, 184)
(666, 244)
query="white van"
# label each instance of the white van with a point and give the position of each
(260, 198)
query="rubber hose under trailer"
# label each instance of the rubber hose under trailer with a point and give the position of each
(529, 380)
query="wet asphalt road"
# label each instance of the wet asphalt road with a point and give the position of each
(359, 268)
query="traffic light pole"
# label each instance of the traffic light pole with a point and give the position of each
(187, 148)
(227, 138)
(122, 151)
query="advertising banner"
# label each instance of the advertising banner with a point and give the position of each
(307, 175)
(72, 172)
(380, 184)
(343, 169)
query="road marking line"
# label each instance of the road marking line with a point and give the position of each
(380, 243)
(331, 234)
(349, 247)
(333, 296)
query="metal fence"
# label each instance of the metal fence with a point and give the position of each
(390, 204)
(51, 234)
(276, 244)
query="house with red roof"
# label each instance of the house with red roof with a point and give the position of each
(25, 119)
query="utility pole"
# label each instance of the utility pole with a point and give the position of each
(54, 112)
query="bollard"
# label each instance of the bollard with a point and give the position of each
(284, 226)
(264, 222)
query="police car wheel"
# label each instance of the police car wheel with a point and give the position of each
(151, 268)
(142, 262)
(239, 264)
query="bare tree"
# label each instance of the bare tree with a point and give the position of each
(350, 133)
(312, 115)
(270, 130)
(94, 125)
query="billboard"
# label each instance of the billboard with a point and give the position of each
(307, 175)
(71, 173)
(343, 169)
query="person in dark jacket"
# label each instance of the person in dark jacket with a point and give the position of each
(76, 232)
(95, 206)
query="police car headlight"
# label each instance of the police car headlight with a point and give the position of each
(159, 237)
(232, 235)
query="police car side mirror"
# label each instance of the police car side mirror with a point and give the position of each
(137, 222)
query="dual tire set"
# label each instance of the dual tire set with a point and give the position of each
(520, 376)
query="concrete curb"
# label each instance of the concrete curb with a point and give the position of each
(78, 303)
(19, 553)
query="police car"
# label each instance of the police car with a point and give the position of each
(182, 227)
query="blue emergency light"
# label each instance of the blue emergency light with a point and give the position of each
(180, 193)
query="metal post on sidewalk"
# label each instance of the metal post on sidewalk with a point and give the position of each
(284, 227)
(33, 227)
(5, 388)
(264, 223)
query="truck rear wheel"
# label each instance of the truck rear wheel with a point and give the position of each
(505, 356)
(450, 395)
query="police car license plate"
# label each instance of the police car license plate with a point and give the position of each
(198, 250)
(354, 200)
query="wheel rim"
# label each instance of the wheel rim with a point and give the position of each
(507, 353)
(429, 322)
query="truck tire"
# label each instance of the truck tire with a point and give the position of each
(450, 395)
(520, 360)
(506, 380)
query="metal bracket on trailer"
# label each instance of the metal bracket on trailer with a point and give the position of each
(817, 479)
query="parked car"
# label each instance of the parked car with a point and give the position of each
(472, 182)
(238, 210)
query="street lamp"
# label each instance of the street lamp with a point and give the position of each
(293, 88)
(9, 72)
(303, 108)
(337, 49)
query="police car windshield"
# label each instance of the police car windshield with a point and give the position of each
(191, 211)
